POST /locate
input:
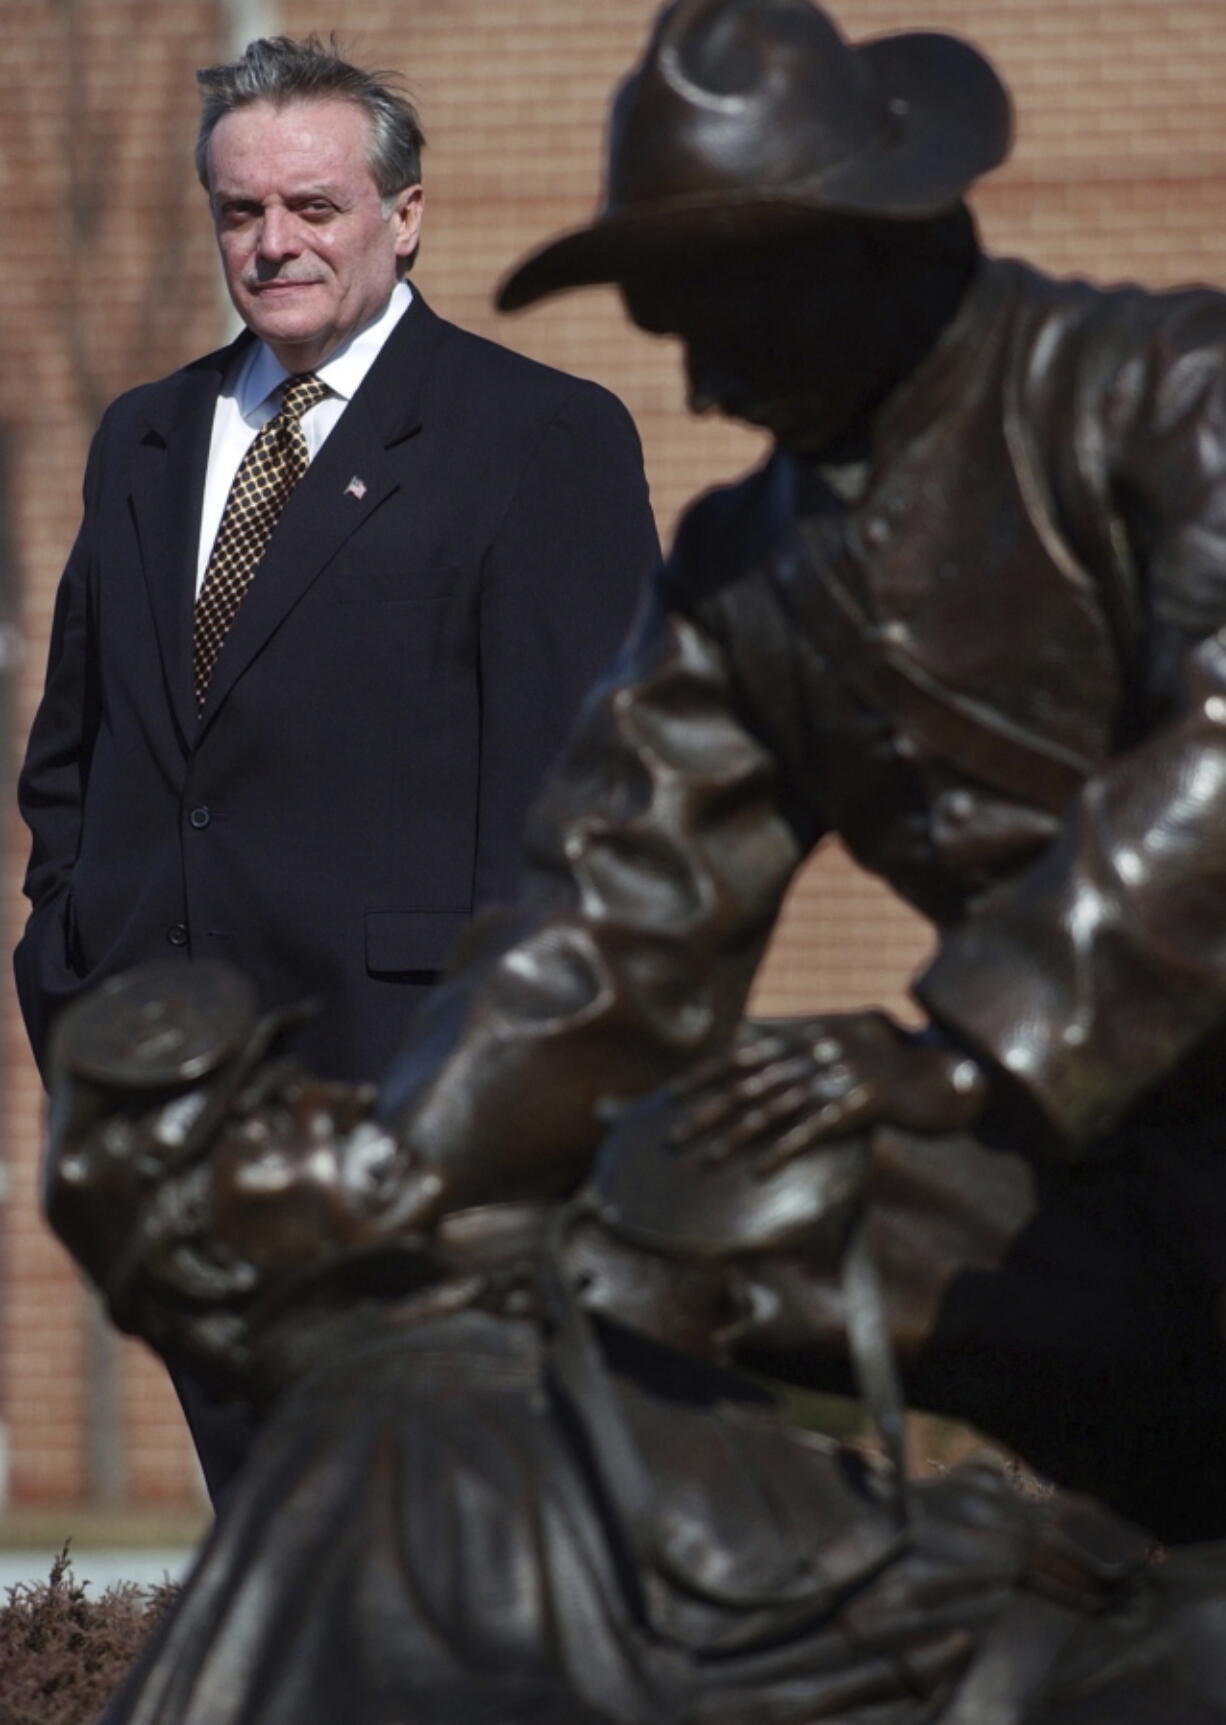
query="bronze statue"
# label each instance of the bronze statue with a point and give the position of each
(489, 1487)
(969, 617)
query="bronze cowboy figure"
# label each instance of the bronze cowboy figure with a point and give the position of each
(968, 616)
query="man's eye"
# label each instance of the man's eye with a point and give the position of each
(317, 210)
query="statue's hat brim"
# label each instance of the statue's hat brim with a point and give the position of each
(750, 118)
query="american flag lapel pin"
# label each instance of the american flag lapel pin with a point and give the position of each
(356, 488)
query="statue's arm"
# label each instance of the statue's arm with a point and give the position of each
(1095, 973)
(1089, 978)
(658, 859)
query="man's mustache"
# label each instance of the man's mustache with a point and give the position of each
(275, 278)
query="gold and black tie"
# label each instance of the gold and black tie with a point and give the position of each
(270, 470)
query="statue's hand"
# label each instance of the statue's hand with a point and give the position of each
(788, 1085)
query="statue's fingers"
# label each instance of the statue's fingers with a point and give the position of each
(763, 1123)
(728, 1066)
(736, 1139)
(791, 1102)
(725, 1092)
(751, 1049)
(820, 1126)
(705, 1116)
(830, 1083)
(778, 1077)
(759, 1124)
(804, 1136)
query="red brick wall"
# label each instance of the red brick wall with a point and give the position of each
(106, 279)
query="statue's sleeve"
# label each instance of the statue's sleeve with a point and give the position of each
(657, 862)
(1090, 978)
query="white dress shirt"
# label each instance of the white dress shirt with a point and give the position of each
(249, 399)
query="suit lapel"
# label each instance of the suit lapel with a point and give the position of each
(166, 492)
(353, 473)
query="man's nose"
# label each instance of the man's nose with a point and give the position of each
(279, 236)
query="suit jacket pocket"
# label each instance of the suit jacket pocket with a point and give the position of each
(73, 950)
(48, 969)
(53, 930)
(411, 942)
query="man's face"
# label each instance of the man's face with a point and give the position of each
(308, 255)
(779, 336)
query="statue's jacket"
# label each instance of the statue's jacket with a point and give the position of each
(998, 673)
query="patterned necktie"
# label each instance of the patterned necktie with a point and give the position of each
(270, 470)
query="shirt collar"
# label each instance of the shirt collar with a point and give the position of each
(342, 371)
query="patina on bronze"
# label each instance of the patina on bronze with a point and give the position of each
(488, 1486)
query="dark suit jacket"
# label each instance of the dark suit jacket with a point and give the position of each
(398, 677)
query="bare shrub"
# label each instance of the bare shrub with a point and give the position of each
(62, 1654)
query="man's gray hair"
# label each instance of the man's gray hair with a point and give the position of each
(277, 69)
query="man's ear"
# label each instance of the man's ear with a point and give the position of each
(406, 213)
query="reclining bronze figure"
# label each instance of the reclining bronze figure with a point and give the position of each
(504, 1472)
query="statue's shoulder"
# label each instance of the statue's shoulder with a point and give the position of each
(733, 529)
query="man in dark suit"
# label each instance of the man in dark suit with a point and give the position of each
(337, 595)
(329, 801)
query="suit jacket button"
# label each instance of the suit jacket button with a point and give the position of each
(176, 934)
(199, 818)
